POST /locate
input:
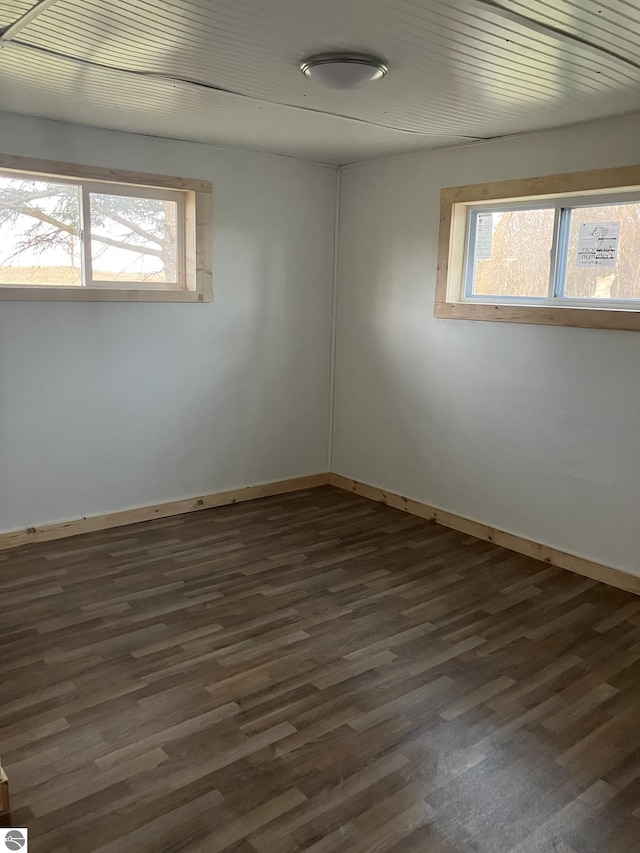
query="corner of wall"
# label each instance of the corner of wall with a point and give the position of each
(334, 316)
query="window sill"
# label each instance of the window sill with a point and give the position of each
(26, 293)
(585, 318)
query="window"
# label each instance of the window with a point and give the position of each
(561, 250)
(69, 232)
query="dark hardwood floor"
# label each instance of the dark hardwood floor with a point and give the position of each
(315, 672)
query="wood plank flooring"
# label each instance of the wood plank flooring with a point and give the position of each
(315, 672)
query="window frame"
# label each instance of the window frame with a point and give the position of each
(571, 190)
(468, 270)
(93, 188)
(194, 238)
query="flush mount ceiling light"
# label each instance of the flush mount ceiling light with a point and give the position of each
(344, 70)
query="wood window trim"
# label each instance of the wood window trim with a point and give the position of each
(454, 202)
(198, 235)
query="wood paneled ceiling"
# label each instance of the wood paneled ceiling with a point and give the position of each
(226, 72)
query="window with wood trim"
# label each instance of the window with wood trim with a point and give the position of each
(82, 233)
(561, 250)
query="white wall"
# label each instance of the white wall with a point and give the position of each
(109, 406)
(531, 429)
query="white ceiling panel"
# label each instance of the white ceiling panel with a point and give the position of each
(459, 69)
(11, 10)
(61, 89)
(615, 24)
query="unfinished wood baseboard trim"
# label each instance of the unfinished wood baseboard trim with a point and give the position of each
(90, 524)
(579, 565)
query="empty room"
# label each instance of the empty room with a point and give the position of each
(319, 418)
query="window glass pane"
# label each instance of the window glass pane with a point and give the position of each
(512, 254)
(39, 232)
(133, 239)
(603, 253)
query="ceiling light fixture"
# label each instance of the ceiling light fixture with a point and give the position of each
(344, 70)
